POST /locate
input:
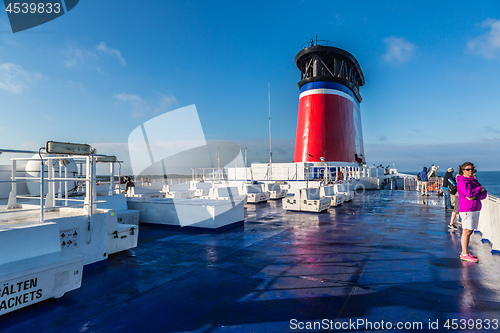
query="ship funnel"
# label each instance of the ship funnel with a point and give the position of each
(329, 119)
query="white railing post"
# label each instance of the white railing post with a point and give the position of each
(14, 185)
(42, 188)
(50, 183)
(12, 203)
(59, 193)
(88, 191)
(93, 166)
(65, 186)
(111, 178)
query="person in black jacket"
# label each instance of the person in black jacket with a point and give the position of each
(128, 183)
(446, 190)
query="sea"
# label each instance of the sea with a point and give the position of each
(489, 179)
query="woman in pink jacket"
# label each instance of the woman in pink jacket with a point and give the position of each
(470, 194)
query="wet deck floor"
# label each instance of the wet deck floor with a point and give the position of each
(382, 258)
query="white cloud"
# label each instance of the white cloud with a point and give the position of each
(139, 106)
(14, 79)
(146, 108)
(165, 102)
(129, 98)
(76, 56)
(487, 45)
(103, 48)
(399, 50)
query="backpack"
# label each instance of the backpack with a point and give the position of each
(452, 187)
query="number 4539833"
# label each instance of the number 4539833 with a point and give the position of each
(471, 324)
(40, 8)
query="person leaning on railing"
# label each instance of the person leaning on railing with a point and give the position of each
(470, 194)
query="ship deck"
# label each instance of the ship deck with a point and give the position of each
(385, 256)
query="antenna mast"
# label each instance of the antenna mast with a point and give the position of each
(270, 142)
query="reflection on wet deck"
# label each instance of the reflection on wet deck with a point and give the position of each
(383, 256)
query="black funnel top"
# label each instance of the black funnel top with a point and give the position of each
(327, 63)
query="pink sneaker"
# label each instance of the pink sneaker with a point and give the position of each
(473, 256)
(468, 257)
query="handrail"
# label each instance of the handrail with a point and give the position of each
(493, 198)
(18, 151)
(313, 42)
(45, 173)
(51, 179)
(489, 221)
(48, 174)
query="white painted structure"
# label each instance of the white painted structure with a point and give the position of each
(101, 227)
(344, 189)
(225, 193)
(306, 200)
(33, 267)
(200, 189)
(329, 192)
(198, 213)
(275, 190)
(131, 192)
(253, 193)
(178, 191)
(46, 240)
(60, 168)
(123, 223)
(305, 174)
(5, 182)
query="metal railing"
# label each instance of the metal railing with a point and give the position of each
(313, 42)
(489, 221)
(47, 177)
(213, 174)
(413, 184)
(325, 173)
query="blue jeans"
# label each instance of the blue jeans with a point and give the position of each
(447, 198)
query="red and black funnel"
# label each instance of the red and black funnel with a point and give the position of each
(329, 119)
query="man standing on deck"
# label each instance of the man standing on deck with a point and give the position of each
(448, 178)
(425, 181)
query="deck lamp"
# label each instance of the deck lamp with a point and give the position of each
(52, 147)
(108, 159)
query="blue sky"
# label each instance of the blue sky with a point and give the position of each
(93, 75)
